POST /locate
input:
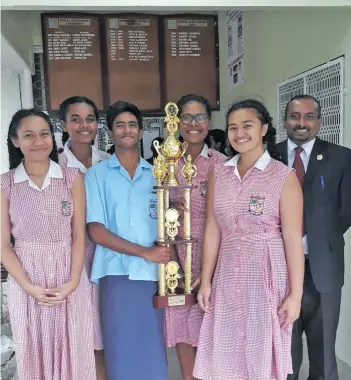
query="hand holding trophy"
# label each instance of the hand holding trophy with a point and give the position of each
(167, 217)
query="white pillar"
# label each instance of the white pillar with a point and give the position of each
(26, 89)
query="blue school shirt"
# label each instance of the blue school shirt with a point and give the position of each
(128, 208)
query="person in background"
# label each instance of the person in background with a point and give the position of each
(218, 140)
(79, 117)
(122, 221)
(252, 268)
(324, 171)
(43, 208)
(154, 152)
(183, 323)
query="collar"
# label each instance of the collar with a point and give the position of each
(114, 162)
(307, 147)
(73, 162)
(205, 153)
(20, 175)
(260, 164)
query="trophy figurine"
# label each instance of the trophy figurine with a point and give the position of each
(164, 171)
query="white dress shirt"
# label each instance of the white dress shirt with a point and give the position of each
(305, 157)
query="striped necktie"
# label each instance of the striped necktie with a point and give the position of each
(300, 173)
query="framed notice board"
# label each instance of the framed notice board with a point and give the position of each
(144, 59)
(191, 57)
(72, 58)
(133, 64)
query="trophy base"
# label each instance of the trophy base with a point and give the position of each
(173, 300)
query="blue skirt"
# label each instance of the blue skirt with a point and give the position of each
(132, 330)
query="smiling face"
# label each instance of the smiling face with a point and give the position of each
(126, 131)
(245, 130)
(81, 123)
(194, 123)
(34, 138)
(302, 123)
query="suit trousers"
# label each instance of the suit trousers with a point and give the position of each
(319, 320)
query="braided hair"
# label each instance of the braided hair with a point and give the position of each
(265, 118)
(15, 154)
(64, 107)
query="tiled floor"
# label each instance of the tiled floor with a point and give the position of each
(175, 374)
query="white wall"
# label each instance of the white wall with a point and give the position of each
(16, 28)
(185, 5)
(10, 103)
(16, 91)
(278, 45)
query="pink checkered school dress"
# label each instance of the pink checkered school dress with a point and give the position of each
(182, 323)
(241, 337)
(89, 258)
(51, 343)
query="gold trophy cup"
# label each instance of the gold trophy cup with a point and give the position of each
(164, 171)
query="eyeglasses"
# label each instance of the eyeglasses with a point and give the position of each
(199, 118)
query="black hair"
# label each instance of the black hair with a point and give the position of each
(189, 98)
(120, 107)
(65, 105)
(15, 154)
(219, 136)
(265, 118)
(160, 140)
(304, 97)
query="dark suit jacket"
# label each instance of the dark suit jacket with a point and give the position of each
(327, 211)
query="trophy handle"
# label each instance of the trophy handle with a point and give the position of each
(184, 148)
(157, 147)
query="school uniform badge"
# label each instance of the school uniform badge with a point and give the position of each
(153, 208)
(256, 205)
(203, 188)
(66, 208)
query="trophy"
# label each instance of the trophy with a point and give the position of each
(164, 171)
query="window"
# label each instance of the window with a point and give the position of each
(326, 83)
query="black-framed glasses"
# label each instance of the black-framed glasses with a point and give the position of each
(200, 118)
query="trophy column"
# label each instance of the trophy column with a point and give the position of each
(165, 173)
(188, 244)
(161, 238)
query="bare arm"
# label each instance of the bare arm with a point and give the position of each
(8, 257)
(212, 237)
(99, 234)
(78, 229)
(291, 213)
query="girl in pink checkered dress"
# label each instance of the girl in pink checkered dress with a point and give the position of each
(79, 117)
(183, 323)
(43, 209)
(253, 261)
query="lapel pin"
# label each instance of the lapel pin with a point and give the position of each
(319, 157)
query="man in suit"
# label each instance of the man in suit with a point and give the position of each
(324, 171)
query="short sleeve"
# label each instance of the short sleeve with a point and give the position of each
(63, 159)
(94, 200)
(104, 155)
(217, 157)
(70, 175)
(6, 183)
